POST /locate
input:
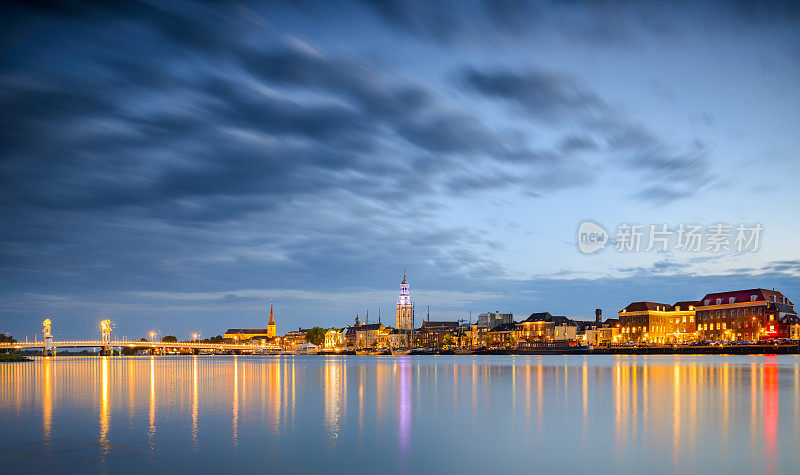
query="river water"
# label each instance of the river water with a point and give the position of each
(405, 414)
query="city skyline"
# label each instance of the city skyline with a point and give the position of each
(174, 166)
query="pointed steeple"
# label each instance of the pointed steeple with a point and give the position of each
(272, 332)
(403, 317)
(358, 320)
(271, 316)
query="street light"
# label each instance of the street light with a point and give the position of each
(152, 335)
(194, 336)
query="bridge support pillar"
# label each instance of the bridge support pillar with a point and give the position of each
(48, 338)
(48, 346)
(196, 351)
(106, 351)
(152, 351)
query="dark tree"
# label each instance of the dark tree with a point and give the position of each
(7, 338)
(169, 339)
(213, 339)
(316, 336)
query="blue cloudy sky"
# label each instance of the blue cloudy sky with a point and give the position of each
(176, 165)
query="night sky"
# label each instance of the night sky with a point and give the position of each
(178, 165)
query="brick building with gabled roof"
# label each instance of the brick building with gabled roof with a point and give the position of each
(658, 322)
(752, 314)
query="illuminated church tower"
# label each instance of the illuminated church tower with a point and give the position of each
(271, 325)
(403, 319)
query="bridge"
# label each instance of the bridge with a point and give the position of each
(107, 345)
(141, 345)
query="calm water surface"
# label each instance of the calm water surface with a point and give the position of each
(735, 414)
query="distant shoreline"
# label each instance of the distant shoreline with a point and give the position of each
(583, 351)
(13, 358)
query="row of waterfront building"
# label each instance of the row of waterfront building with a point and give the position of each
(741, 315)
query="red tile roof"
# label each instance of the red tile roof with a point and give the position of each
(643, 306)
(744, 296)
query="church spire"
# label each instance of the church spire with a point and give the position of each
(271, 330)
(403, 318)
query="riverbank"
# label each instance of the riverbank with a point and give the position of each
(702, 350)
(792, 349)
(12, 358)
(785, 349)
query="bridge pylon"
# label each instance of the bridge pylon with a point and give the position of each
(105, 330)
(48, 338)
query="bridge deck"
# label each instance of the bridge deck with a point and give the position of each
(139, 344)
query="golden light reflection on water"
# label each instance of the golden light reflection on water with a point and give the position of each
(195, 427)
(676, 415)
(104, 419)
(634, 405)
(335, 371)
(235, 404)
(151, 428)
(585, 400)
(47, 400)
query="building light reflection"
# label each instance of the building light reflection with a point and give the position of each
(235, 422)
(194, 403)
(47, 400)
(770, 392)
(151, 430)
(404, 415)
(335, 381)
(103, 439)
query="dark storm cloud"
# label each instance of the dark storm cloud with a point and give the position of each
(668, 172)
(615, 22)
(475, 21)
(358, 81)
(576, 143)
(785, 266)
(450, 133)
(197, 168)
(540, 94)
